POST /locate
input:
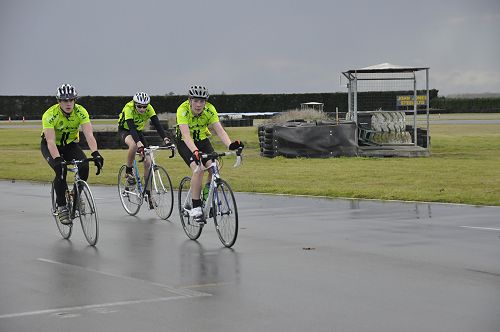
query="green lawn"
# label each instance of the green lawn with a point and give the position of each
(464, 168)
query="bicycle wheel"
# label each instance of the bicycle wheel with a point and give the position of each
(225, 213)
(65, 230)
(129, 195)
(191, 228)
(162, 194)
(87, 212)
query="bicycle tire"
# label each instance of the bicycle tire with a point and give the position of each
(65, 230)
(129, 197)
(225, 213)
(87, 212)
(162, 193)
(191, 228)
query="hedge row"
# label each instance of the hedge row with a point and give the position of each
(32, 107)
(462, 105)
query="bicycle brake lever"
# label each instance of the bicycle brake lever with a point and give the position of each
(64, 170)
(239, 157)
(239, 160)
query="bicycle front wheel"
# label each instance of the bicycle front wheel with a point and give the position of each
(191, 228)
(129, 194)
(225, 213)
(65, 230)
(162, 194)
(88, 213)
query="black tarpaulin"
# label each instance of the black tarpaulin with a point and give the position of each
(315, 140)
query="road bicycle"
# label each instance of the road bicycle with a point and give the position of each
(220, 204)
(157, 184)
(80, 203)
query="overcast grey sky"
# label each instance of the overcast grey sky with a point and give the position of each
(107, 47)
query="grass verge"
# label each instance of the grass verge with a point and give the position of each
(463, 168)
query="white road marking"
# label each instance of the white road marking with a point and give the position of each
(63, 311)
(179, 291)
(482, 228)
(182, 293)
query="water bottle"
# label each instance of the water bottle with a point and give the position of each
(206, 189)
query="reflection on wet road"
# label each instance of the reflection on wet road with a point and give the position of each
(299, 264)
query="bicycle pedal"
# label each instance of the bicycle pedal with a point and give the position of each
(200, 221)
(68, 222)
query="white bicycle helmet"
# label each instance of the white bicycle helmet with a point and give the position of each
(142, 98)
(198, 91)
(65, 92)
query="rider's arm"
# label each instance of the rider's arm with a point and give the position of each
(50, 137)
(89, 135)
(159, 128)
(186, 135)
(219, 130)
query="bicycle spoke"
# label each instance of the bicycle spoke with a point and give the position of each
(129, 194)
(65, 230)
(191, 228)
(162, 194)
(226, 214)
(88, 214)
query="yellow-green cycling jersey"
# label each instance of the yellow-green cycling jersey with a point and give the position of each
(198, 125)
(66, 127)
(129, 112)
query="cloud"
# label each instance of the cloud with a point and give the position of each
(466, 81)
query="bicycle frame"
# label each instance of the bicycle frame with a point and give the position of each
(149, 151)
(77, 198)
(219, 205)
(73, 167)
(215, 178)
(75, 192)
(213, 181)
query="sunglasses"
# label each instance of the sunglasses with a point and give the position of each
(68, 100)
(141, 106)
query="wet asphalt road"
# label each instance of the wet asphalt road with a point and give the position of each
(299, 264)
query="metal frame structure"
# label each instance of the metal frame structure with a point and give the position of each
(387, 72)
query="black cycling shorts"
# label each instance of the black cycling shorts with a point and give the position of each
(203, 146)
(125, 132)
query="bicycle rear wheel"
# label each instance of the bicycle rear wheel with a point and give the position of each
(191, 228)
(65, 230)
(87, 212)
(162, 194)
(225, 213)
(129, 195)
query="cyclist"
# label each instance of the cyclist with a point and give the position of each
(195, 118)
(60, 136)
(131, 123)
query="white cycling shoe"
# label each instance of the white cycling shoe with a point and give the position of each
(197, 214)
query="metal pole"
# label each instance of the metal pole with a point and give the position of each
(415, 109)
(428, 103)
(355, 112)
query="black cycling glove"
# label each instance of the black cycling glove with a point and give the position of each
(196, 157)
(140, 150)
(98, 159)
(236, 145)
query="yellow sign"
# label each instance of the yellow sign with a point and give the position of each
(408, 100)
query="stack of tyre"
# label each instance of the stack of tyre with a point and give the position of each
(105, 139)
(244, 122)
(390, 128)
(267, 141)
(385, 128)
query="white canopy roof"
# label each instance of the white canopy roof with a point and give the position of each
(387, 68)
